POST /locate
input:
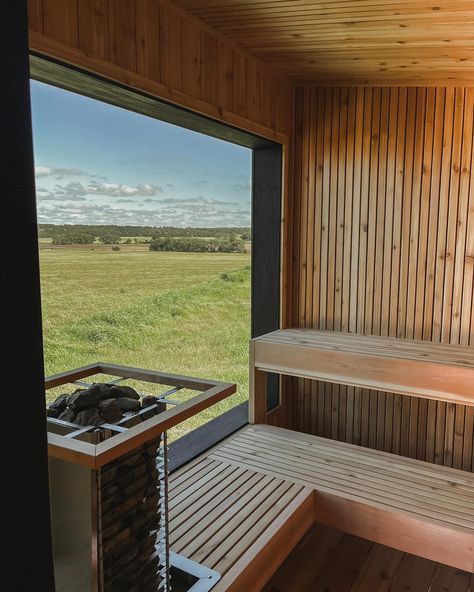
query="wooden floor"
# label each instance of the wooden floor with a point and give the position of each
(327, 560)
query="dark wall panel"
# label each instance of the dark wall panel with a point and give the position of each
(25, 542)
(266, 245)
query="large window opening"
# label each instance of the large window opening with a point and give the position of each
(145, 213)
(144, 242)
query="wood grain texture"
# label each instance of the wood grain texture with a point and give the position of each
(241, 507)
(236, 521)
(352, 41)
(409, 505)
(383, 569)
(35, 15)
(383, 245)
(60, 20)
(148, 38)
(162, 42)
(123, 33)
(93, 25)
(440, 372)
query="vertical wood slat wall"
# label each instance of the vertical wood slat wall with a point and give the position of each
(383, 232)
(187, 61)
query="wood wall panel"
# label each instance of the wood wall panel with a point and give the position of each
(170, 47)
(35, 15)
(123, 39)
(93, 25)
(209, 68)
(161, 48)
(60, 20)
(383, 227)
(148, 39)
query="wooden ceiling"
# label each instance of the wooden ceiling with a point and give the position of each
(353, 42)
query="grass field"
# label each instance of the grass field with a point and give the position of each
(187, 313)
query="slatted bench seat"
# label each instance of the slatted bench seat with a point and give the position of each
(408, 367)
(240, 508)
(236, 520)
(411, 505)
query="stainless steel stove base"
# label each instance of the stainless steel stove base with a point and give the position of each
(204, 578)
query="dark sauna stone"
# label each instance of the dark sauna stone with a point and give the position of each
(127, 404)
(60, 403)
(51, 412)
(89, 417)
(148, 401)
(83, 399)
(104, 390)
(68, 415)
(124, 391)
(110, 411)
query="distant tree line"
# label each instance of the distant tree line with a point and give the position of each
(73, 238)
(56, 230)
(197, 245)
(84, 238)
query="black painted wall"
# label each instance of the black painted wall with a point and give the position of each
(25, 539)
(266, 247)
(266, 221)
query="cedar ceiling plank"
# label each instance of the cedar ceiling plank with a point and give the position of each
(424, 42)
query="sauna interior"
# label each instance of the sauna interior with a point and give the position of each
(353, 471)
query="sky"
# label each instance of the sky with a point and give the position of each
(99, 164)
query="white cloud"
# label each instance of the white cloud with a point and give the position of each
(58, 172)
(122, 190)
(193, 200)
(98, 200)
(76, 190)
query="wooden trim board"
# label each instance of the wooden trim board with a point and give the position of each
(46, 46)
(409, 534)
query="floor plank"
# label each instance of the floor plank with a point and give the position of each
(449, 579)
(342, 569)
(311, 555)
(378, 571)
(327, 560)
(415, 574)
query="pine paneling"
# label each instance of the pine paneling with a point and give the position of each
(148, 39)
(352, 42)
(170, 48)
(123, 34)
(60, 20)
(162, 49)
(383, 244)
(93, 25)
(35, 15)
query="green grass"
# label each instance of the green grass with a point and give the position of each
(187, 313)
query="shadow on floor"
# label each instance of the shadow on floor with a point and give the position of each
(328, 560)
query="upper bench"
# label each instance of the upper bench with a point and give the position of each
(440, 371)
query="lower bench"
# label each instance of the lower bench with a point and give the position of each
(241, 507)
(236, 521)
